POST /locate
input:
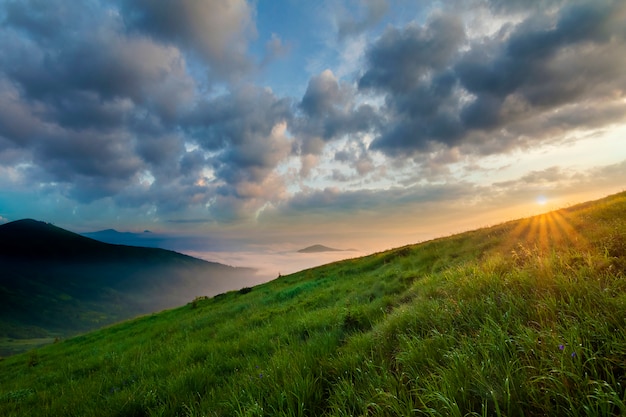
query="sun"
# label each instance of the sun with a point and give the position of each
(541, 200)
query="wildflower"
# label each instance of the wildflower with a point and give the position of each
(561, 347)
(573, 354)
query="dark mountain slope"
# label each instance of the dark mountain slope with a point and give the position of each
(35, 240)
(55, 282)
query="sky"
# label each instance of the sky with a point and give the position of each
(252, 129)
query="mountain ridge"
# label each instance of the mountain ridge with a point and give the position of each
(113, 236)
(87, 283)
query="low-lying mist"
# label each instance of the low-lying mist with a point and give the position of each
(270, 264)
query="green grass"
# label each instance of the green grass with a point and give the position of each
(523, 318)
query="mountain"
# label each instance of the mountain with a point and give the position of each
(525, 318)
(57, 283)
(146, 239)
(318, 248)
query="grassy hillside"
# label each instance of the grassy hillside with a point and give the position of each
(524, 318)
(55, 283)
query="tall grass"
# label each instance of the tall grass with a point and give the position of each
(524, 318)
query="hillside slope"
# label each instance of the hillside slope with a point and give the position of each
(523, 318)
(55, 283)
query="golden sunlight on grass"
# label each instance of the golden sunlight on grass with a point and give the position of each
(546, 231)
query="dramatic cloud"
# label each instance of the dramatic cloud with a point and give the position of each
(542, 67)
(245, 135)
(401, 57)
(99, 61)
(410, 66)
(79, 101)
(518, 77)
(329, 112)
(106, 107)
(217, 30)
(177, 110)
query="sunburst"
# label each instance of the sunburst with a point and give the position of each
(547, 231)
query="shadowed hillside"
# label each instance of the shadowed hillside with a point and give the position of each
(56, 283)
(526, 318)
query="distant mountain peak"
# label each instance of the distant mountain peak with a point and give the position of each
(318, 248)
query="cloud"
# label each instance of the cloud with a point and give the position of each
(401, 57)
(275, 48)
(90, 61)
(355, 155)
(324, 94)
(549, 175)
(516, 6)
(561, 180)
(76, 106)
(147, 106)
(106, 107)
(342, 202)
(245, 133)
(329, 111)
(421, 117)
(41, 18)
(19, 123)
(372, 11)
(560, 185)
(216, 30)
(442, 89)
(240, 139)
(92, 111)
(409, 67)
(543, 64)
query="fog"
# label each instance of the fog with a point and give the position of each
(269, 264)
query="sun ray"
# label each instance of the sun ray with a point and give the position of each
(543, 237)
(533, 232)
(545, 232)
(522, 229)
(570, 235)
